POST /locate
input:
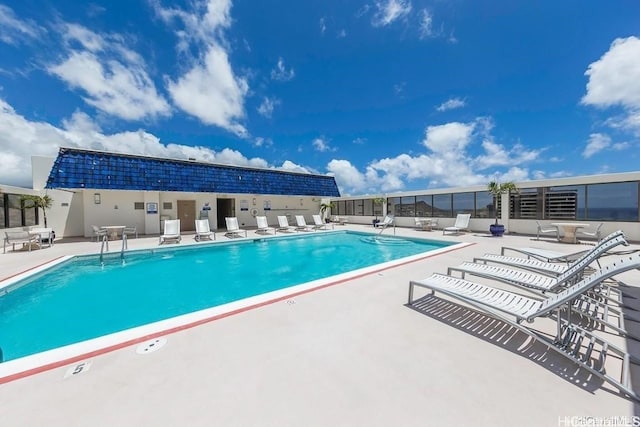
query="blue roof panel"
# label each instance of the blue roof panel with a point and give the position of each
(74, 168)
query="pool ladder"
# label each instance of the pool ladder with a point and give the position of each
(105, 242)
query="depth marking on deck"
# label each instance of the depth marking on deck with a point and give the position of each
(78, 369)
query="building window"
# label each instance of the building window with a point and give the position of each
(359, 207)
(484, 205)
(138, 205)
(341, 208)
(16, 213)
(167, 206)
(612, 202)
(463, 203)
(424, 206)
(368, 207)
(442, 206)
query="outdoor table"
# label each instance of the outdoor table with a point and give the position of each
(569, 230)
(113, 230)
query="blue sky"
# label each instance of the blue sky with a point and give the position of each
(386, 95)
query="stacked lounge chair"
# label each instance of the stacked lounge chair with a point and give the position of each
(573, 340)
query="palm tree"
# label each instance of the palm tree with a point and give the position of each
(43, 202)
(324, 207)
(497, 189)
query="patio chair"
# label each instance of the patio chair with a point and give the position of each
(233, 229)
(301, 224)
(130, 231)
(171, 231)
(263, 225)
(462, 223)
(203, 230)
(99, 233)
(541, 230)
(283, 225)
(16, 237)
(593, 234)
(319, 224)
(579, 345)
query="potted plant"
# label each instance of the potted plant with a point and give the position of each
(378, 201)
(324, 209)
(40, 202)
(497, 189)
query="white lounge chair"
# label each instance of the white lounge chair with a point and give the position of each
(263, 225)
(283, 225)
(171, 231)
(548, 264)
(587, 350)
(542, 280)
(593, 234)
(16, 237)
(301, 224)
(319, 224)
(233, 229)
(203, 230)
(386, 222)
(462, 223)
(552, 230)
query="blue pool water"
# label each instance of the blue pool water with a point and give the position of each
(81, 299)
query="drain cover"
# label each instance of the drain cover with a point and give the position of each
(151, 346)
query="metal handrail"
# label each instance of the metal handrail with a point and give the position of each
(105, 238)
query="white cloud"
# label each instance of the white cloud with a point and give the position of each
(14, 30)
(267, 106)
(341, 34)
(426, 24)
(211, 92)
(281, 73)
(113, 78)
(21, 138)
(322, 145)
(323, 26)
(614, 80)
(451, 104)
(290, 166)
(597, 142)
(447, 161)
(388, 11)
(209, 89)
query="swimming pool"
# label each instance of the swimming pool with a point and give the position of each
(81, 299)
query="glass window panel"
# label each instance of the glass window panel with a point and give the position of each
(2, 214)
(565, 202)
(393, 206)
(424, 206)
(442, 206)
(368, 207)
(359, 207)
(349, 206)
(15, 211)
(30, 216)
(341, 208)
(407, 206)
(463, 203)
(612, 202)
(377, 207)
(484, 205)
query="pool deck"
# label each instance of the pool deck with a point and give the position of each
(351, 354)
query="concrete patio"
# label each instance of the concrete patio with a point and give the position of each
(351, 354)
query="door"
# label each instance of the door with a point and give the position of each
(225, 208)
(187, 215)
